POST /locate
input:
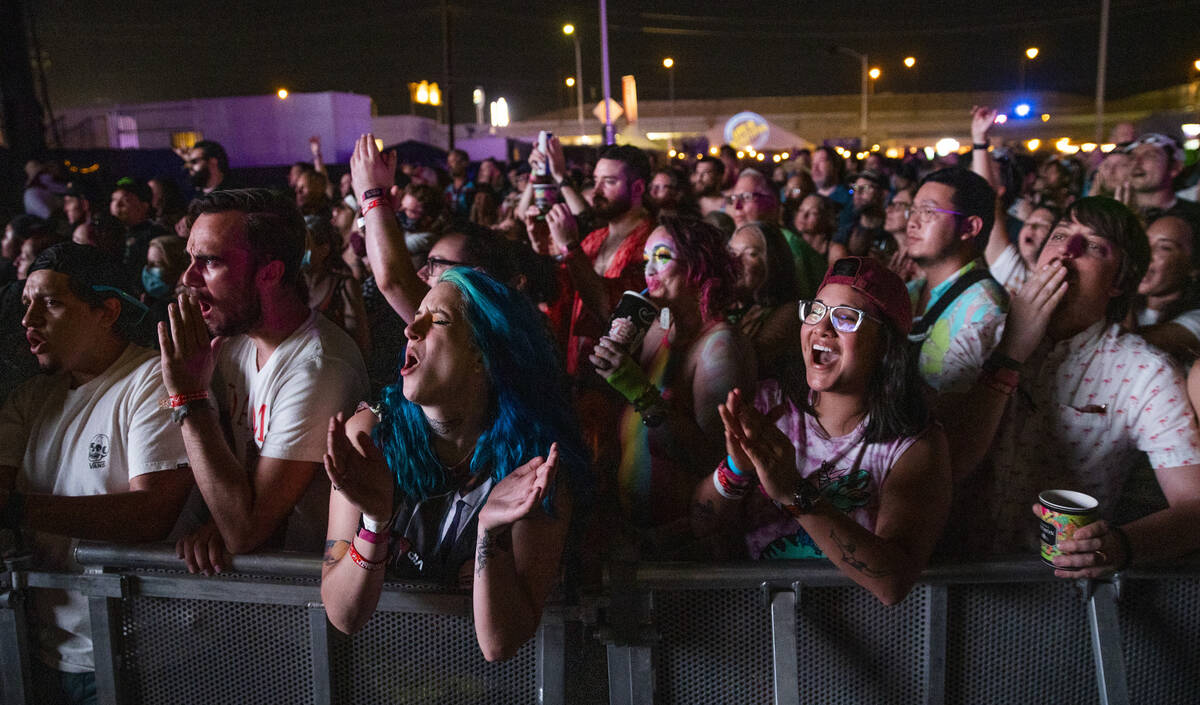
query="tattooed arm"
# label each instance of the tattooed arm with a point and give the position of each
(517, 553)
(351, 593)
(913, 505)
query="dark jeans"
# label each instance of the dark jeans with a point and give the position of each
(51, 687)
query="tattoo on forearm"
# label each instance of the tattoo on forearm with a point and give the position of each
(485, 548)
(334, 550)
(848, 557)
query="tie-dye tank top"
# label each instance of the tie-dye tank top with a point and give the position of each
(848, 471)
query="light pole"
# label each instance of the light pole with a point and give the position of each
(1030, 54)
(569, 29)
(669, 64)
(862, 60)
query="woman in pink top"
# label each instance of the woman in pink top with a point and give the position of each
(849, 463)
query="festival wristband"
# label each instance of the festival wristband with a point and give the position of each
(363, 562)
(732, 467)
(375, 537)
(371, 193)
(375, 527)
(728, 489)
(177, 400)
(371, 205)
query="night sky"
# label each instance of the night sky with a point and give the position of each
(101, 52)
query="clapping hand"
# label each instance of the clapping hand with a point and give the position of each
(754, 442)
(519, 493)
(361, 476)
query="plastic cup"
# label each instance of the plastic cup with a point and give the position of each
(1063, 512)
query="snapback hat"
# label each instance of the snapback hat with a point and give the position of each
(881, 285)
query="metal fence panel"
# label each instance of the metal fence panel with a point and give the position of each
(1019, 643)
(427, 659)
(852, 649)
(201, 651)
(715, 647)
(1160, 629)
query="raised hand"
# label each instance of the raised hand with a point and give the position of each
(188, 353)
(519, 493)
(370, 168)
(564, 231)
(1030, 310)
(361, 477)
(982, 120)
(768, 449)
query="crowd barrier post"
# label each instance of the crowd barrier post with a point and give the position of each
(1105, 628)
(14, 645)
(782, 601)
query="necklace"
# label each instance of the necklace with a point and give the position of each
(455, 466)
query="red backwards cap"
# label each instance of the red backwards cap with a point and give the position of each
(881, 285)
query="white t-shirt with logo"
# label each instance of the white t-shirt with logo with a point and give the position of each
(89, 440)
(282, 410)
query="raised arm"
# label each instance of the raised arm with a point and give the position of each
(391, 262)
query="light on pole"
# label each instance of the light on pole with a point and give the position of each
(569, 30)
(910, 61)
(669, 64)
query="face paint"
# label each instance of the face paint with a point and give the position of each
(660, 257)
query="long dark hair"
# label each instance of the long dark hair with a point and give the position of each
(895, 396)
(780, 285)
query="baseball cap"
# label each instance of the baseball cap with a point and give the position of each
(1168, 144)
(874, 177)
(881, 285)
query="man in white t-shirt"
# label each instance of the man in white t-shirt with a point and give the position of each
(276, 370)
(85, 450)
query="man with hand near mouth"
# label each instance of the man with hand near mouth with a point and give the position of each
(1090, 398)
(276, 370)
(85, 450)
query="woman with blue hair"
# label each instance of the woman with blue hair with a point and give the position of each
(458, 462)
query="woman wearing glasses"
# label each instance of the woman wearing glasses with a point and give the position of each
(850, 464)
(670, 434)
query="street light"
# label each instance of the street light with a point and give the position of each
(569, 30)
(669, 64)
(282, 93)
(570, 81)
(874, 73)
(1030, 54)
(862, 60)
(910, 61)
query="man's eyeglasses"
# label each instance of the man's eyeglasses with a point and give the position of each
(924, 213)
(845, 319)
(743, 198)
(437, 265)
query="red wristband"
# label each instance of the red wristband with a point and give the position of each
(363, 562)
(177, 400)
(369, 205)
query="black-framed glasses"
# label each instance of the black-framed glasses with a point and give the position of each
(845, 319)
(437, 264)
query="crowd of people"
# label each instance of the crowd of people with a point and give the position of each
(501, 376)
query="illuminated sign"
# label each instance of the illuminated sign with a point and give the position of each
(747, 129)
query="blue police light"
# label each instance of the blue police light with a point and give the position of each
(1022, 110)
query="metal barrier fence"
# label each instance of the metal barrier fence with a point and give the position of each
(774, 632)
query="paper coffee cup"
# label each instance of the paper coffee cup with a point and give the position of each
(631, 319)
(1063, 512)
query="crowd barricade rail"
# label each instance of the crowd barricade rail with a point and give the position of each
(745, 632)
